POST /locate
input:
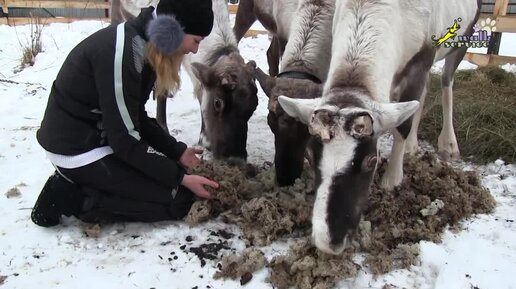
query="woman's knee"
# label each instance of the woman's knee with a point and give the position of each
(181, 203)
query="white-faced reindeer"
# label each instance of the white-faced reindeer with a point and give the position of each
(304, 67)
(382, 51)
(275, 16)
(225, 87)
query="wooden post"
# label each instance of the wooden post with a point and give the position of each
(4, 8)
(500, 9)
(106, 11)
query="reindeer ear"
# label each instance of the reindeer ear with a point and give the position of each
(390, 115)
(266, 82)
(204, 73)
(251, 65)
(300, 109)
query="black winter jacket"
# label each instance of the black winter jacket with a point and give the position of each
(98, 99)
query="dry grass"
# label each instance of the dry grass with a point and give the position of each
(484, 114)
(32, 46)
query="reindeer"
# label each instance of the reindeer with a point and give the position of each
(123, 10)
(223, 84)
(275, 16)
(225, 88)
(375, 60)
(304, 67)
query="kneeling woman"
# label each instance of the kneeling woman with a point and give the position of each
(113, 162)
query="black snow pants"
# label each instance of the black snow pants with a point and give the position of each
(114, 192)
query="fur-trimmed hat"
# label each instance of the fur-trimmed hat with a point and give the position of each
(195, 16)
(165, 33)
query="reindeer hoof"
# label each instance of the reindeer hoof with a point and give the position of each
(446, 156)
(411, 149)
(389, 182)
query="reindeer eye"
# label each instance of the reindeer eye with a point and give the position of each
(369, 163)
(218, 104)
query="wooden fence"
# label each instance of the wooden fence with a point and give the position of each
(77, 5)
(504, 23)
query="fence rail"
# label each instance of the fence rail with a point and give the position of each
(504, 23)
(93, 4)
(55, 4)
(77, 5)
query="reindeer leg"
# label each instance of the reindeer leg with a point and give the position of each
(273, 56)
(448, 149)
(161, 113)
(415, 77)
(244, 18)
(411, 145)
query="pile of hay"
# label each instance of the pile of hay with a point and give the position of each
(484, 114)
(248, 197)
(433, 195)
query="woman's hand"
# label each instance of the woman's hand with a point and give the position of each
(189, 159)
(196, 184)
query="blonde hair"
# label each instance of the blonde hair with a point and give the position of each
(167, 69)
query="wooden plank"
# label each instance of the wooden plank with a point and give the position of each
(506, 24)
(503, 23)
(488, 59)
(254, 33)
(58, 4)
(233, 8)
(500, 8)
(4, 6)
(13, 21)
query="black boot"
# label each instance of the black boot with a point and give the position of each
(58, 197)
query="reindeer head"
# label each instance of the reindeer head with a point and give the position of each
(290, 135)
(345, 134)
(228, 101)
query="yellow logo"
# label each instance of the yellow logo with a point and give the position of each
(480, 38)
(452, 32)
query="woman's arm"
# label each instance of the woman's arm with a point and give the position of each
(160, 139)
(118, 78)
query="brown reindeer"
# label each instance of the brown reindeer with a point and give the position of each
(225, 87)
(303, 68)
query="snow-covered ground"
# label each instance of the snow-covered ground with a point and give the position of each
(483, 255)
